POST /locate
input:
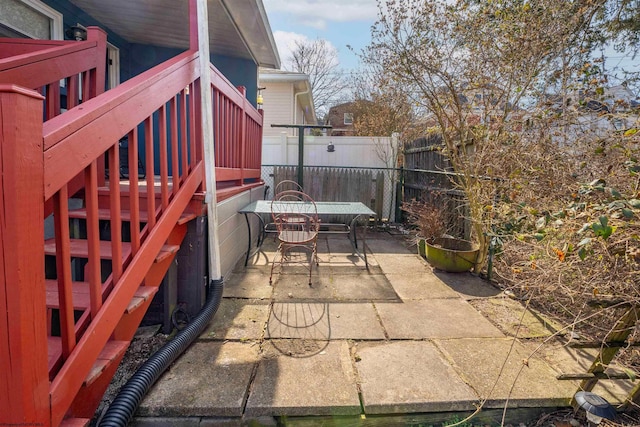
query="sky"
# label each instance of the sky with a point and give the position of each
(339, 22)
(348, 22)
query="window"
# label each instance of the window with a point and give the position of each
(31, 19)
(348, 118)
(113, 66)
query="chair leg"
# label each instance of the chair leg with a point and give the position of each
(314, 255)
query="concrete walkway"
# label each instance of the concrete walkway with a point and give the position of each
(398, 344)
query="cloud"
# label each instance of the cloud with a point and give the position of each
(286, 42)
(315, 13)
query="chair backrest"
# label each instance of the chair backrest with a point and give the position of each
(286, 185)
(295, 211)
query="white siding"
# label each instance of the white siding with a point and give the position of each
(233, 228)
(278, 107)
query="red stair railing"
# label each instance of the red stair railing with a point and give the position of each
(160, 106)
(158, 94)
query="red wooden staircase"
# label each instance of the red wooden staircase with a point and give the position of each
(72, 301)
(97, 380)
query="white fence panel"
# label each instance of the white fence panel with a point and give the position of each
(349, 151)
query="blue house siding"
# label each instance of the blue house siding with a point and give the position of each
(136, 58)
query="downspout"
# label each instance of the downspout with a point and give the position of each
(295, 107)
(295, 113)
(207, 136)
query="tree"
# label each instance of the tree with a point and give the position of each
(319, 60)
(472, 66)
(546, 155)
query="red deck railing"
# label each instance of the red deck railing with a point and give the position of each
(237, 133)
(158, 111)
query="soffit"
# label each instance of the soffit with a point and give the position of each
(237, 28)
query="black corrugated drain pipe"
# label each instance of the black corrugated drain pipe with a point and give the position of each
(123, 407)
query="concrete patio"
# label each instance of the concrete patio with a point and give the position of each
(397, 344)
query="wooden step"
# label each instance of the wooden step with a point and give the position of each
(80, 249)
(111, 351)
(109, 354)
(81, 299)
(75, 422)
(105, 215)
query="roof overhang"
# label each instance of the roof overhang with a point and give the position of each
(237, 28)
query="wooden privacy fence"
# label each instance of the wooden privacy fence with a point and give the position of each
(427, 177)
(338, 184)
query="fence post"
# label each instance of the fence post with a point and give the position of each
(24, 383)
(399, 194)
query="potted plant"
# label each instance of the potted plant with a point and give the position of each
(440, 250)
(426, 220)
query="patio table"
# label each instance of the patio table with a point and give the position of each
(349, 211)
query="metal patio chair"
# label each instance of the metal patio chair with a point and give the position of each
(295, 217)
(286, 185)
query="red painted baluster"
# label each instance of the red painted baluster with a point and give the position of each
(93, 237)
(183, 136)
(115, 212)
(150, 172)
(52, 103)
(63, 270)
(192, 127)
(164, 165)
(73, 91)
(173, 113)
(243, 144)
(134, 192)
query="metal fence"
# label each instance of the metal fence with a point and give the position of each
(375, 187)
(388, 187)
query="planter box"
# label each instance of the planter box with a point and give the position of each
(452, 255)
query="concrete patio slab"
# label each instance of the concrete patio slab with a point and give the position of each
(251, 283)
(419, 286)
(299, 320)
(409, 376)
(363, 287)
(211, 379)
(411, 340)
(401, 264)
(287, 287)
(348, 269)
(324, 321)
(438, 318)
(567, 360)
(321, 384)
(513, 318)
(325, 287)
(238, 319)
(357, 321)
(503, 369)
(340, 245)
(384, 243)
(468, 285)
